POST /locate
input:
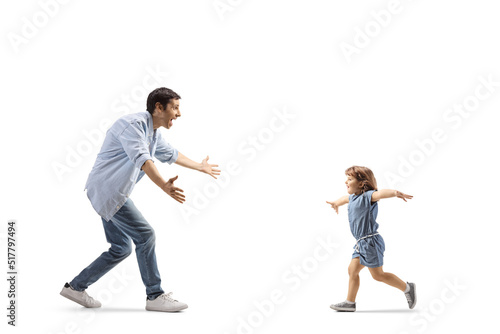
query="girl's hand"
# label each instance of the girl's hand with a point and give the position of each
(399, 194)
(334, 206)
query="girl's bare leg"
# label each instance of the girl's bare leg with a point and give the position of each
(354, 269)
(378, 274)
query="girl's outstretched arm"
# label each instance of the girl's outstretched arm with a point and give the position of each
(341, 201)
(388, 193)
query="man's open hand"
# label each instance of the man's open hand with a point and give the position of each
(209, 169)
(174, 192)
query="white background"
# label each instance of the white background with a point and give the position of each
(232, 70)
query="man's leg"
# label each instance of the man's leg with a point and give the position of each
(120, 248)
(131, 222)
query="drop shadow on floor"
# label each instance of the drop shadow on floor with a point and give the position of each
(384, 311)
(119, 309)
(128, 310)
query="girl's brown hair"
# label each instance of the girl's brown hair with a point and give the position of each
(363, 175)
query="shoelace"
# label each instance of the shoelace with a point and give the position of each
(408, 297)
(88, 298)
(167, 297)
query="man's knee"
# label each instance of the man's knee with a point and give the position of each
(121, 251)
(149, 236)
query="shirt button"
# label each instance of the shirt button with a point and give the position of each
(117, 206)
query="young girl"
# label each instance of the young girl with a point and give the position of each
(369, 249)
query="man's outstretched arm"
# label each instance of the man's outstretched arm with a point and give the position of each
(152, 172)
(203, 166)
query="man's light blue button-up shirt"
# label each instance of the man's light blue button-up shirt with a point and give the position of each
(129, 143)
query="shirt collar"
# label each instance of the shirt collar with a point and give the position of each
(151, 131)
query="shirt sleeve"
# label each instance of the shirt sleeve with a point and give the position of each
(133, 140)
(164, 151)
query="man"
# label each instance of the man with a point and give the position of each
(125, 156)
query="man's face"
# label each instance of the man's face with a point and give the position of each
(170, 113)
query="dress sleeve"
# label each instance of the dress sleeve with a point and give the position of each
(367, 198)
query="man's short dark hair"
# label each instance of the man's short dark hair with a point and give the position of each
(162, 95)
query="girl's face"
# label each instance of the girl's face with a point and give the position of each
(353, 185)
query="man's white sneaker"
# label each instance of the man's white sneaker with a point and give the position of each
(80, 297)
(165, 303)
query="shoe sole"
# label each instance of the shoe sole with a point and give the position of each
(76, 300)
(415, 294)
(341, 309)
(163, 310)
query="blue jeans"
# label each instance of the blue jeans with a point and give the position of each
(125, 226)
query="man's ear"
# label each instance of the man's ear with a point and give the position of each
(158, 106)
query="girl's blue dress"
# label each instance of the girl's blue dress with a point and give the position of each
(370, 245)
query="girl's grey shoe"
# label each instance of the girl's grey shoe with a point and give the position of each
(80, 297)
(344, 307)
(411, 296)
